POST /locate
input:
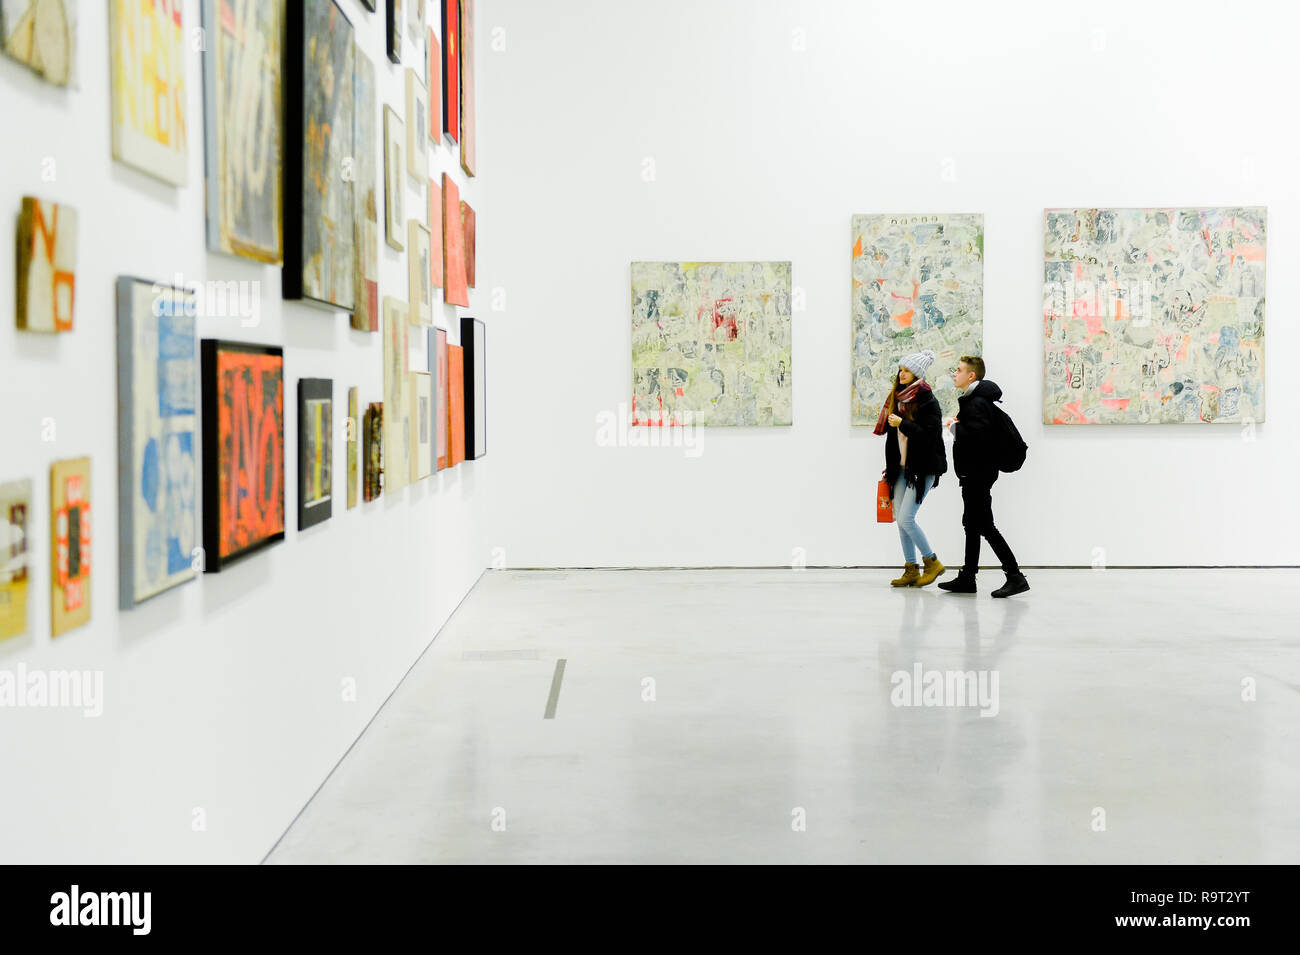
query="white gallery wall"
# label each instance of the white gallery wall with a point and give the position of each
(225, 700)
(692, 130)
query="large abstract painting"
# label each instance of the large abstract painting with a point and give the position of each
(15, 532)
(473, 339)
(243, 449)
(711, 343)
(43, 35)
(315, 450)
(468, 141)
(47, 266)
(1153, 316)
(397, 399)
(918, 284)
(319, 262)
(157, 463)
(365, 199)
(148, 70)
(70, 521)
(456, 287)
(242, 127)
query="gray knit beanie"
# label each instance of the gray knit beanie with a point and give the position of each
(918, 363)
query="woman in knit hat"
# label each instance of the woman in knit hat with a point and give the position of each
(912, 424)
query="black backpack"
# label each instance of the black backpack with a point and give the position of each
(1008, 447)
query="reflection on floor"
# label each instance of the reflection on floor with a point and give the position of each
(819, 715)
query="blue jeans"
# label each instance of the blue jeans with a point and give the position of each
(905, 508)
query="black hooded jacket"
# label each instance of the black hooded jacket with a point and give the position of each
(972, 449)
(925, 451)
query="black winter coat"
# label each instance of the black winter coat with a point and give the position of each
(925, 451)
(972, 447)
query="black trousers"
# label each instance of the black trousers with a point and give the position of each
(977, 518)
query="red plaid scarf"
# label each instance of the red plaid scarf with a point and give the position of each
(904, 398)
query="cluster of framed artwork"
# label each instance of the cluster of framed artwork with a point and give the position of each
(289, 132)
(1150, 316)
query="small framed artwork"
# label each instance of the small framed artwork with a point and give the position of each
(451, 69)
(373, 485)
(433, 75)
(435, 400)
(42, 34)
(417, 130)
(468, 141)
(315, 450)
(467, 224)
(473, 339)
(243, 449)
(456, 405)
(353, 436)
(455, 289)
(365, 200)
(443, 385)
(47, 266)
(393, 24)
(421, 425)
(435, 232)
(243, 132)
(319, 263)
(157, 439)
(397, 399)
(69, 545)
(417, 256)
(147, 56)
(15, 532)
(394, 179)
(415, 19)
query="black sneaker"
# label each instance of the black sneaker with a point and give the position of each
(960, 584)
(1016, 584)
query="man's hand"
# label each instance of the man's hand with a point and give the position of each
(950, 422)
(894, 420)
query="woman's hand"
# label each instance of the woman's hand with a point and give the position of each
(894, 420)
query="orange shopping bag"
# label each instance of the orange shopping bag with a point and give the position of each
(884, 503)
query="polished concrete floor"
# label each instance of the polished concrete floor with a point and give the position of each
(754, 716)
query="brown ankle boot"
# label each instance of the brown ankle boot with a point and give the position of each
(932, 572)
(911, 574)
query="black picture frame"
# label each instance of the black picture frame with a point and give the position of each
(395, 27)
(209, 351)
(473, 338)
(314, 389)
(296, 211)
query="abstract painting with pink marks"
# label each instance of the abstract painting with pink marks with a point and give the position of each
(1153, 316)
(711, 343)
(918, 283)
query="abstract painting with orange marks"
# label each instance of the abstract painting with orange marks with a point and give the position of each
(47, 266)
(711, 344)
(70, 550)
(455, 405)
(320, 168)
(243, 449)
(148, 68)
(918, 283)
(1153, 316)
